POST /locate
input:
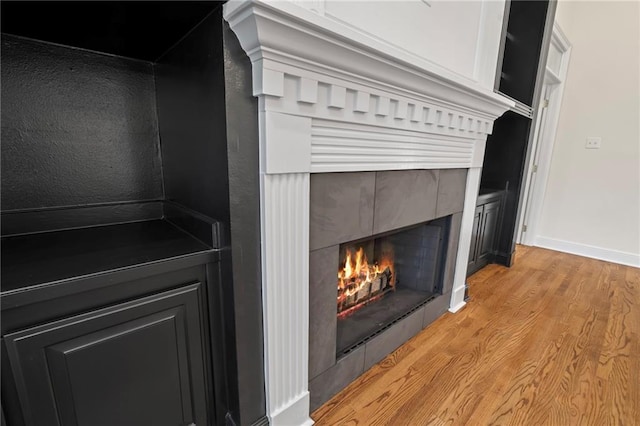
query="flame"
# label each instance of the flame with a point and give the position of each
(347, 266)
(357, 277)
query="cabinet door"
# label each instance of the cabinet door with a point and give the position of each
(488, 231)
(137, 363)
(475, 235)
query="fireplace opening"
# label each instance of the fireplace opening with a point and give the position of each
(386, 277)
(361, 282)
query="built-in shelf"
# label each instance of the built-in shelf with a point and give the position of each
(519, 74)
(44, 258)
(523, 41)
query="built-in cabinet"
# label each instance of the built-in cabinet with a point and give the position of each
(525, 40)
(134, 345)
(118, 298)
(138, 362)
(485, 230)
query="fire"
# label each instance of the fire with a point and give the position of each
(360, 282)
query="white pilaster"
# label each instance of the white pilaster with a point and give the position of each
(285, 293)
(460, 275)
(466, 226)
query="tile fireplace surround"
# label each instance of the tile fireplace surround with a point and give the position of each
(332, 99)
(352, 206)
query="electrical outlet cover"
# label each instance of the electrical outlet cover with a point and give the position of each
(593, 142)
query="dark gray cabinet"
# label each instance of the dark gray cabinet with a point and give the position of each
(475, 232)
(486, 243)
(135, 363)
(484, 234)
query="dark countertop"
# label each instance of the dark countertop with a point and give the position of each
(38, 259)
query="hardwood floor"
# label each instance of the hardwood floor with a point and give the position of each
(555, 340)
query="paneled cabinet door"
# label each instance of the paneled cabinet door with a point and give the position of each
(488, 231)
(475, 235)
(137, 363)
(483, 235)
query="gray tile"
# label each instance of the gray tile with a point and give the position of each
(323, 265)
(332, 381)
(388, 341)
(404, 197)
(434, 309)
(341, 208)
(451, 189)
(452, 253)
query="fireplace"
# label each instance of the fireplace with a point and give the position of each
(400, 141)
(383, 278)
(381, 264)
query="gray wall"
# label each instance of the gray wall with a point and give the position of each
(348, 206)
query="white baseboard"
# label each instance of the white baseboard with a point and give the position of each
(296, 413)
(615, 256)
(457, 297)
(456, 308)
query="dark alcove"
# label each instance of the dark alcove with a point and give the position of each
(116, 198)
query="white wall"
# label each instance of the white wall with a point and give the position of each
(592, 199)
(425, 29)
(462, 36)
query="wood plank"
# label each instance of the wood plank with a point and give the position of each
(552, 340)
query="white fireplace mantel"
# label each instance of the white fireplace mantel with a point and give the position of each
(332, 99)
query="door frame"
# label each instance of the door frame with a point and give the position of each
(539, 165)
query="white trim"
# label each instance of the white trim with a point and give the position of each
(464, 243)
(287, 142)
(293, 413)
(488, 45)
(559, 38)
(284, 223)
(544, 143)
(527, 215)
(351, 147)
(456, 308)
(345, 98)
(551, 77)
(614, 256)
